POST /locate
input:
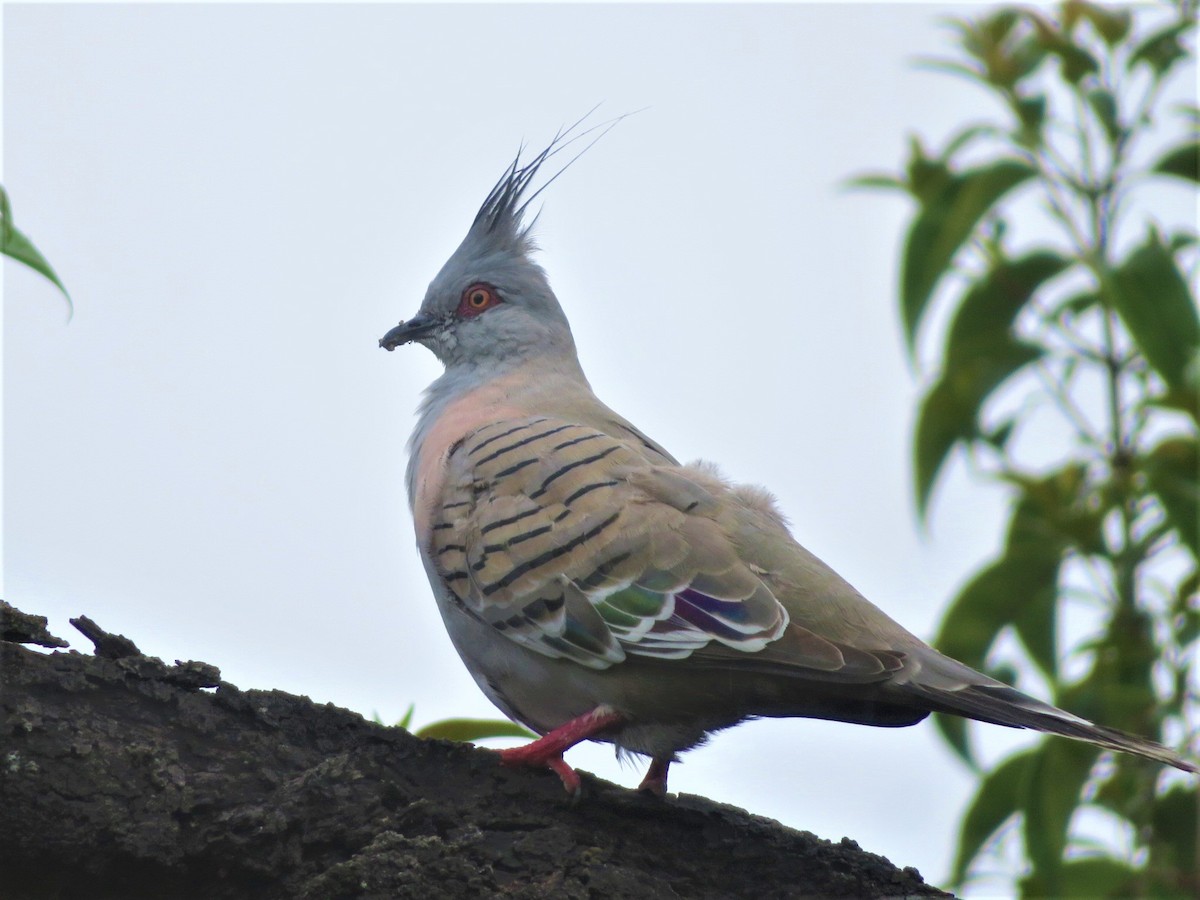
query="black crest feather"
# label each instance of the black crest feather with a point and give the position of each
(501, 217)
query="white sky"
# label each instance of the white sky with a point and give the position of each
(242, 199)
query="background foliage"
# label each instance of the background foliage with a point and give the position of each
(1070, 374)
(15, 245)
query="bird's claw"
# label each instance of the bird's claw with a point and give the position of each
(533, 756)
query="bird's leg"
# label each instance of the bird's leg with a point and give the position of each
(547, 751)
(655, 781)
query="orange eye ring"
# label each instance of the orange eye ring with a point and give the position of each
(476, 299)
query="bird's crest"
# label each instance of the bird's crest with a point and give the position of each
(500, 223)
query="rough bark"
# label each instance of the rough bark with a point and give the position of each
(122, 776)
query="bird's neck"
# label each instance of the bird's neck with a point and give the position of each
(528, 384)
(465, 398)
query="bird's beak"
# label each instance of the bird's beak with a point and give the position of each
(406, 332)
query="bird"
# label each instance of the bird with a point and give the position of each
(598, 589)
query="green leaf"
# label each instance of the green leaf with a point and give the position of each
(981, 38)
(950, 409)
(472, 730)
(1003, 54)
(980, 354)
(927, 177)
(1155, 303)
(951, 208)
(1173, 469)
(1079, 303)
(1026, 56)
(1104, 105)
(1119, 690)
(990, 601)
(1123, 786)
(1182, 162)
(1094, 878)
(1161, 50)
(1187, 630)
(406, 720)
(994, 29)
(1036, 624)
(1031, 113)
(1185, 399)
(1173, 846)
(949, 66)
(995, 802)
(1061, 511)
(16, 245)
(999, 436)
(1181, 239)
(1075, 61)
(990, 307)
(1111, 24)
(1044, 524)
(964, 138)
(1185, 605)
(1055, 776)
(941, 423)
(877, 180)
(1188, 586)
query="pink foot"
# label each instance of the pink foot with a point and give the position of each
(547, 751)
(655, 781)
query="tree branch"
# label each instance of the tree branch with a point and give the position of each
(127, 777)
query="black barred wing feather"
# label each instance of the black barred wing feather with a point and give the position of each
(568, 541)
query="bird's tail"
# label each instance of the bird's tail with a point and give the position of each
(943, 688)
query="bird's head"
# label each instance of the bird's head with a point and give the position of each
(491, 302)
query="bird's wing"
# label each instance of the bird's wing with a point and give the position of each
(574, 544)
(569, 541)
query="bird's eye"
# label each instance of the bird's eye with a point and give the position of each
(476, 299)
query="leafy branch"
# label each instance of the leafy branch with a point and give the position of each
(1067, 299)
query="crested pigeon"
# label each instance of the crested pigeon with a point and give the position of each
(596, 588)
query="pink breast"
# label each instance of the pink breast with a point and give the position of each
(473, 410)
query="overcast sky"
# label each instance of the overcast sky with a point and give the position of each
(242, 199)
